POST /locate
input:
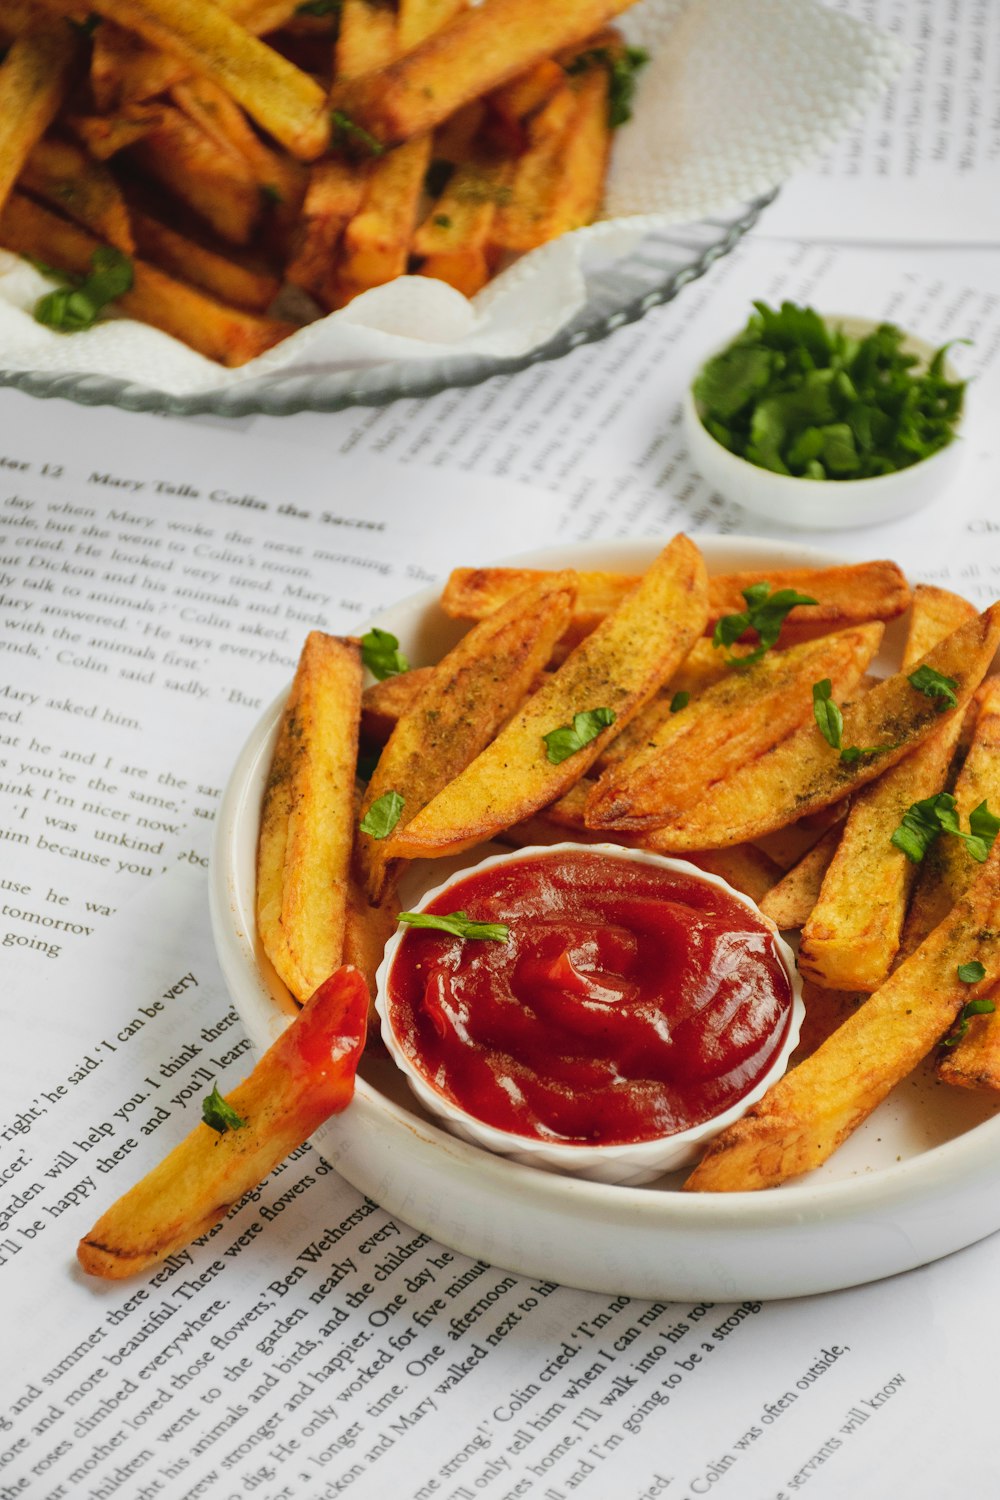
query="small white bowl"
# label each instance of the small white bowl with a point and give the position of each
(832, 504)
(634, 1162)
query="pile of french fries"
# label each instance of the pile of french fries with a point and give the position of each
(711, 752)
(239, 150)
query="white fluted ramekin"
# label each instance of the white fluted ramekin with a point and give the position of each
(630, 1163)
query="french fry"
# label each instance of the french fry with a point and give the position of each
(279, 180)
(383, 703)
(803, 774)
(286, 102)
(307, 821)
(34, 78)
(729, 725)
(790, 902)
(334, 195)
(453, 237)
(946, 869)
(230, 280)
(786, 846)
(470, 695)
(419, 19)
(476, 52)
(849, 595)
(105, 135)
(223, 333)
(619, 668)
(826, 1012)
(853, 931)
(803, 1118)
(126, 70)
(306, 1076)
(215, 181)
(557, 184)
(376, 242)
(367, 38)
(511, 106)
(84, 190)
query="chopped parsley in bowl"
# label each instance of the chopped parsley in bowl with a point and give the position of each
(796, 397)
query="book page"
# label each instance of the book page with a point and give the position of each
(924, 163)
(155, 592)
(313, 1345)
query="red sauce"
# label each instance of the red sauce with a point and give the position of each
(629, 1001)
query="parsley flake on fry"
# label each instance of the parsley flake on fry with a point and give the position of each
(73, 308)
(565, 741)
(679, 701)
(218, 1115)
(381, 654)
(353, 138)
(383, 815)
(765, 613)
(982, 1007)
(972, 972)
(925, 820)
(458, 924)
(830, 721)
(936, 686)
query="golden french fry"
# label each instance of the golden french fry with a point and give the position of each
(419, 19)
(366, 39)
(729, 725)
(804, 1117)
(803, 774)
(383, 703)
(34, 78)
(286, 102)
(105, 135)
(848, 595)
(230, 280)
(853, 931)
(558, 182)
(126, 70)
(215, 181)
(83, 189)
(946, 869)
(786, 846)
(376, 242)
(307, 820)
(222, 333)
(367, 929)
(454, 235)
(303, 1078)
(826, 1011)
(790, 901)
(511, 106)
(470, 695)
(617, 668)
(334, 195)
(477, 51)
(743, 867)
(279, 180)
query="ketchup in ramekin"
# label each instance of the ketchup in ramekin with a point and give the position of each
(634, 998)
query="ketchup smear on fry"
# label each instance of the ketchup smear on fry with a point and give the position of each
(629, 1001)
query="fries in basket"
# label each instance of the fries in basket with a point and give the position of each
(230, 150)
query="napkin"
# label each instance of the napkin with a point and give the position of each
(738, 95)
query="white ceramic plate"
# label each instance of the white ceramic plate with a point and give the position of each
(917, 1181)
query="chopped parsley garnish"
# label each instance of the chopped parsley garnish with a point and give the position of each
(218, 1115)
(679, 701)
(935, 685)
(766, 612)
(972, 972)
(982, 1007)
(442, 221)
(797, 396)
(831, 725)
(381, 654)
(622, 67)
(458, 924)
(565, 741)
(75, 307)
(383, 815)
(925, 820)
(271, 193)
(354, 138)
